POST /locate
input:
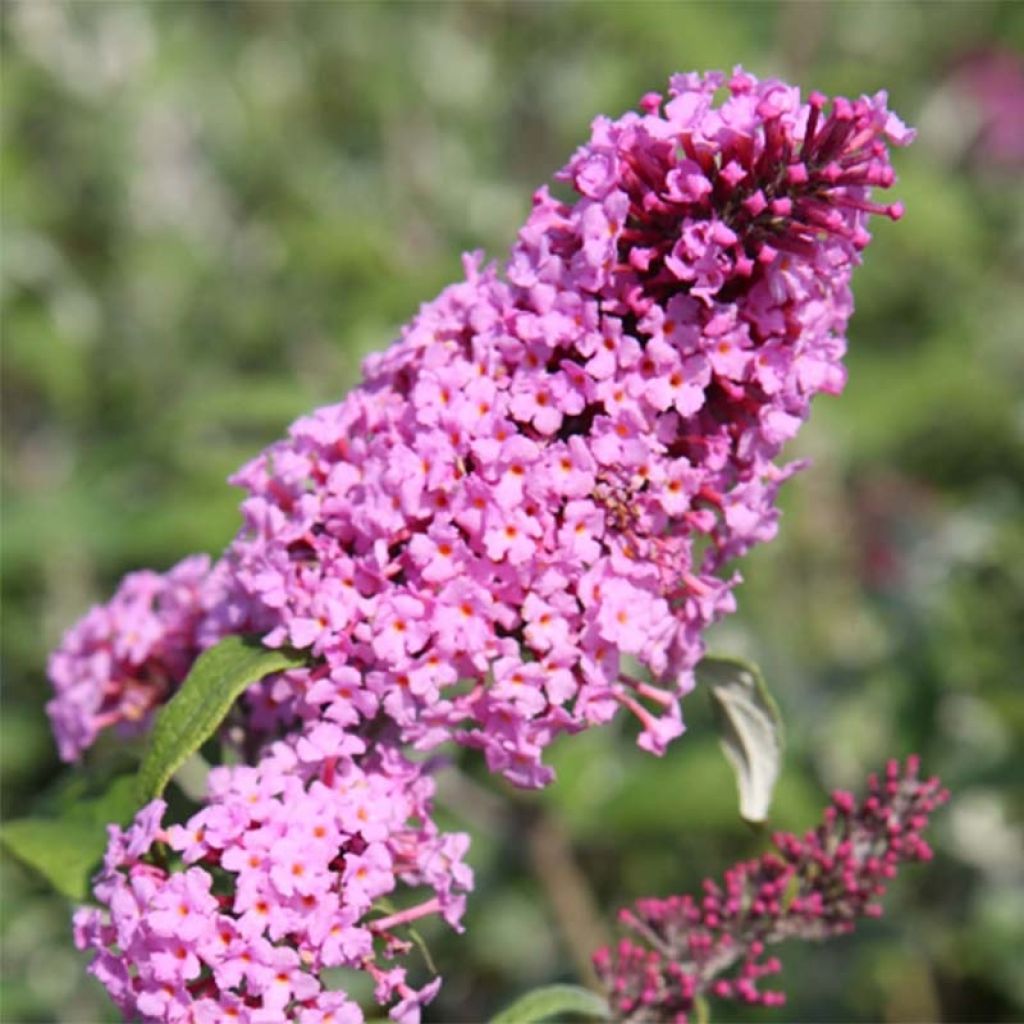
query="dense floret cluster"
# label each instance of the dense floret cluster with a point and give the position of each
(233, 915)
(127, 656)
(809, 888)
(550, 471)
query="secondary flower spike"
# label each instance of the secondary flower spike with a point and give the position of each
(555, 464)
(684, 948)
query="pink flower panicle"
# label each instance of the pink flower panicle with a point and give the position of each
(233, 915)
(807, 888)
(549, 472)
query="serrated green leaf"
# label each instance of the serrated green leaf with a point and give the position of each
(750, 729)
(217, 678)
(66, 849)
(554, 1003)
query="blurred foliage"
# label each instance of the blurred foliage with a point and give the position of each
(211, 211)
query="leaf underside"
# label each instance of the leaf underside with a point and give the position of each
(750, 730)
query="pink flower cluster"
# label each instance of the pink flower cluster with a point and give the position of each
(127, 656)
(549, 471)
(233, 916)
(809, 888)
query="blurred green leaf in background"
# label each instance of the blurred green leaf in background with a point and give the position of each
(211, 212)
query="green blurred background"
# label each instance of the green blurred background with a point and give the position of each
(212, 211)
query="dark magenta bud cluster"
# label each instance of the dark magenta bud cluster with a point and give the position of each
(809, 887)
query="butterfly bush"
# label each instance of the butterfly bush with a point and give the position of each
(809, 887)
(546, 477)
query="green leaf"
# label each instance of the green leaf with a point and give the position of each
(204, 699)
(190, 778)
(66, 850)
(750, 729)
(554, 1002)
